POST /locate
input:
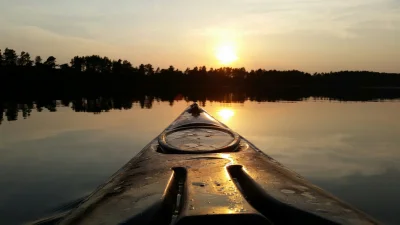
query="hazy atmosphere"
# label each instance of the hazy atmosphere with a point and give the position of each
(313, 35)
(199, 112)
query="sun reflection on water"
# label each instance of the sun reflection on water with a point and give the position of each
(226, 114)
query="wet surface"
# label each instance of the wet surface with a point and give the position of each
(349, 149)
(199, 139)
(243, 189)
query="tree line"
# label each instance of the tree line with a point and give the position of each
(102, 73)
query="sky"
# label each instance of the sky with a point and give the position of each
(308, 35)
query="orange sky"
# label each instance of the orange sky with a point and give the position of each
(313, 36)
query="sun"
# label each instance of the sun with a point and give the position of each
(226, 54)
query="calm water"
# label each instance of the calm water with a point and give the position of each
(350, 149)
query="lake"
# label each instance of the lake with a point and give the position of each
(53, 155)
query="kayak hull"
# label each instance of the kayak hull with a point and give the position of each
(234, 182)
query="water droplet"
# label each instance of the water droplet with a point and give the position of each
(322, 211)
(192, 145)
(287, 191)
(308, 195)
(313, 201)
(201, 184)
(300, 187)
(117, 188)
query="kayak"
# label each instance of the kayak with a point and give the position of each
(198, 171)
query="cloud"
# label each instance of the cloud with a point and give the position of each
(336, 18)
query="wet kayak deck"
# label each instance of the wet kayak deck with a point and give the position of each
(185, 176)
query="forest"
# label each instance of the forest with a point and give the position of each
(97, 75)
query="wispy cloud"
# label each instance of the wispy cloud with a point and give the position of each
(340, 18)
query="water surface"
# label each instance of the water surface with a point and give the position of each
(348, 148)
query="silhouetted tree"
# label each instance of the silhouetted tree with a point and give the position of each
(24, 59)
(78, 63)
(117, 66)
(106, 65)
(50, 62)
(126, 67)
(64, 66)
(38, 61)
(1, 58)
(149, 70)
(10, 57)
(142, 70)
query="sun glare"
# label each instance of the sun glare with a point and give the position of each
(226, 114)
(226, 54)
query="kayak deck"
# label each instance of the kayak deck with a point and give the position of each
(199, 171)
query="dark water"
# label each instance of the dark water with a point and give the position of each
(351, 149)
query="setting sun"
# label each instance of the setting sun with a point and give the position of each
(226, 54)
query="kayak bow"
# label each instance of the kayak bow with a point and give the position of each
(198, 171)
